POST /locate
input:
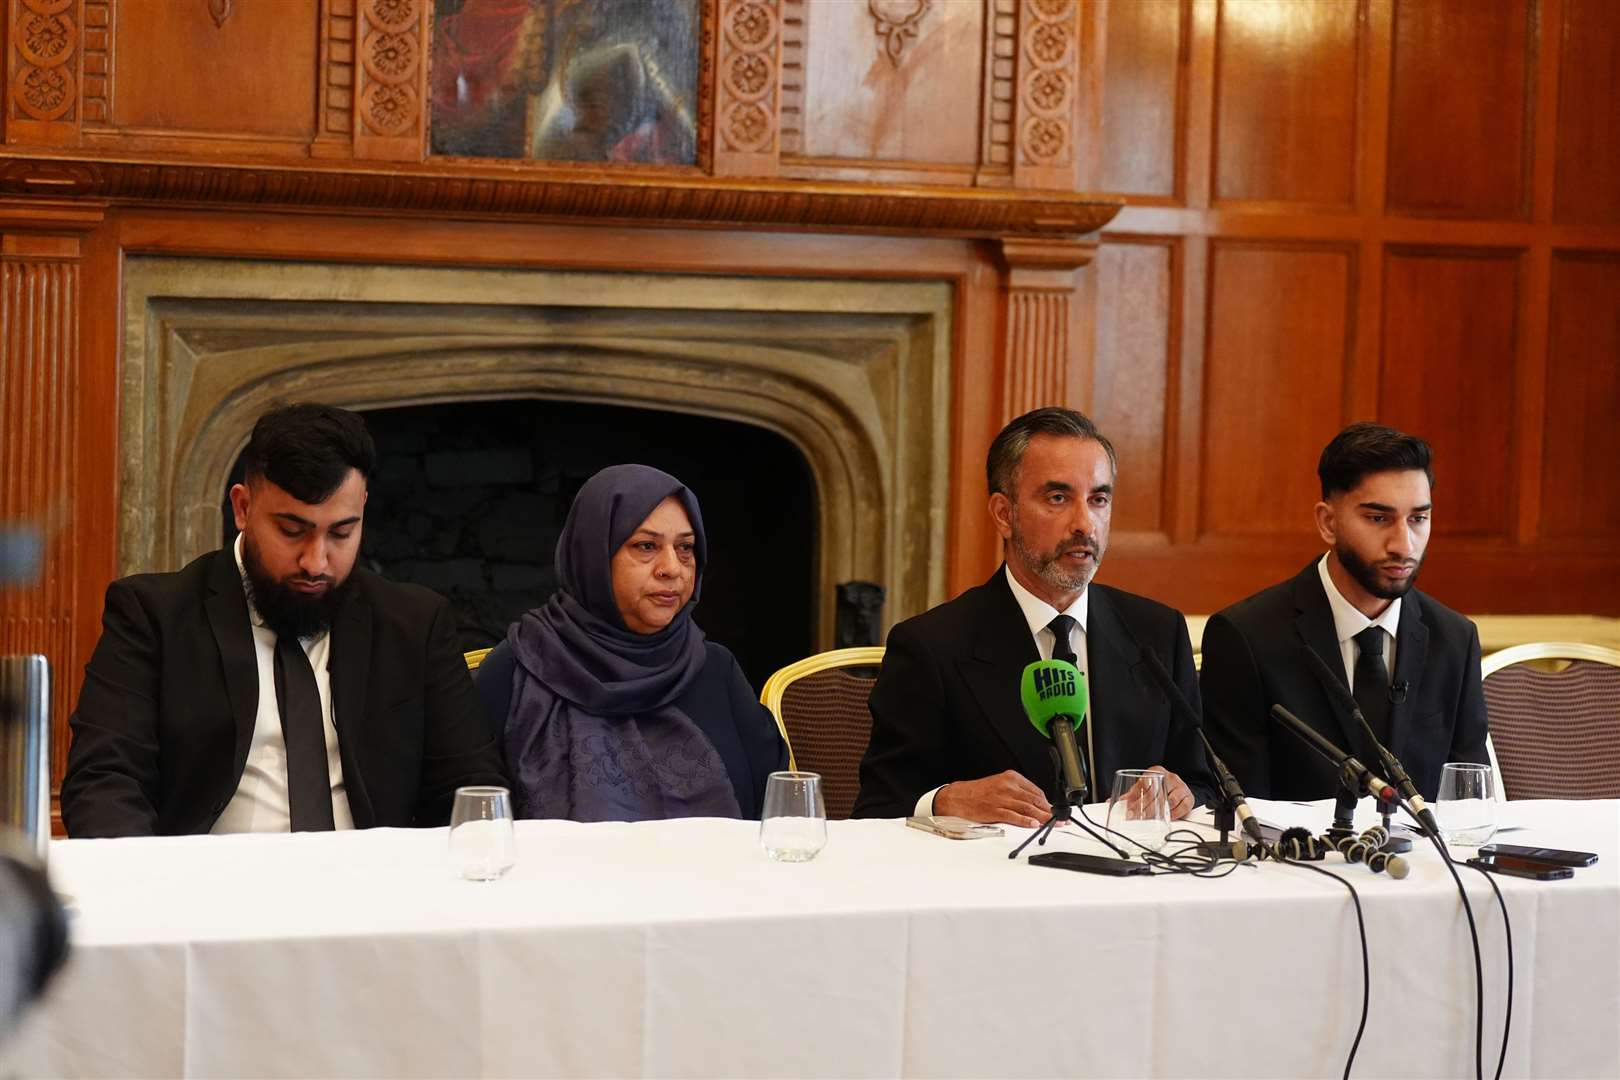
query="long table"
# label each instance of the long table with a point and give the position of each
(678, 949)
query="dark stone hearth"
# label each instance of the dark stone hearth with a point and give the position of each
(469, 499)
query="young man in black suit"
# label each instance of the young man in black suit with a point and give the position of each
(949, 734)
(1411, 662)
(276, 687)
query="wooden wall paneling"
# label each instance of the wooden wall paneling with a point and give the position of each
(972, 545)
(795, 36)
(894, 81)
(44, 71)
(97, 55)
(1185, 436)
(1449, 359)
(1134, 388)
(391, 88)
(1372, 136)
(1286, 92)
(246, 78)
(40, 470)
(1048, 94)
(1588, 110)
(1144, 100)
(1197, 135)
(1279, 340)
(1460, 108)
(1039, 343)
(334, 135)
(997, 109)
(1580, 498)
(748, 64)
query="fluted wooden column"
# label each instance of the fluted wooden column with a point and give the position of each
(1042, 351)
(40, 450)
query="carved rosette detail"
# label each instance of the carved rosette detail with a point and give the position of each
(1047, 83)
(391, 56)
(748, 67)
(45, 85)
(896, 23)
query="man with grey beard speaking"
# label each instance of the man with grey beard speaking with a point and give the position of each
(276, 687)
(949, 734)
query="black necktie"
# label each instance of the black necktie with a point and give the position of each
(309, 785)
(1061, 647)
(1372, 681)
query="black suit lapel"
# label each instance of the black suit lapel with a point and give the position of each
(348, 668)
(1002, 649)
(1314, 621)
(227, 610)
(1411, 657)
(1111, 683)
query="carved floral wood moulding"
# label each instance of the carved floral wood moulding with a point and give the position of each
(462, 188)
(748, 75)
(43, 69)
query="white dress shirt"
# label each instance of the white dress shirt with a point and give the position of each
(1348, 622)
(1039, 615)
(260, 803)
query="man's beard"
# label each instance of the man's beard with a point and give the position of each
(284, 609)
(1367, 576)
(1049, 567)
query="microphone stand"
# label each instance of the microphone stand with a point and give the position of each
(1062, 812)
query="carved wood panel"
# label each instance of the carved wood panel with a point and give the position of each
(1038, 345)
(334, 133)
(747, 77)
(39, 439)
(43, 71)
(1048, 64)
(390, 100)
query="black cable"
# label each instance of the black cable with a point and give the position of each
(1507, 929)
(1175, 862)
(1473, 934)
(1366, 966)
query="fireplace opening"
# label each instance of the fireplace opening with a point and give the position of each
(469, 499)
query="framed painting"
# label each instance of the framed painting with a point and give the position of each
(566, 80)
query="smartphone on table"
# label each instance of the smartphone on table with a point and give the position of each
(1556, 856)
(1525, 868)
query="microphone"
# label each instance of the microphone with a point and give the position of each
(1336, 688)
(1397, 692)
(1055, 700)
(1189, 715)
(1364, 778)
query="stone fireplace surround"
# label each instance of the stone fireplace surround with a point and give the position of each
(854, 373)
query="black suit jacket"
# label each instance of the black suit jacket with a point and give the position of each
(1252, 659)
(166, 715)
(946, 705)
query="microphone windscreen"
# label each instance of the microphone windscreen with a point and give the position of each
(1050, 689)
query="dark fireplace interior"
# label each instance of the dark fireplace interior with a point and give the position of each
(469, 499)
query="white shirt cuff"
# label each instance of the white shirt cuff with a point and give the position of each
(925, 805)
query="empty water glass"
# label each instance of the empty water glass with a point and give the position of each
(794, 825)
(1139, 807)
(1466, 806)
(482, 844)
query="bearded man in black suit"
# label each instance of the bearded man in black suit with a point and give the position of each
(1411, 663)
(274, 686)
(949, 734)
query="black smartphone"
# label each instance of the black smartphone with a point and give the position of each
(1088, 864)
(1556, 856)
(1525, 868)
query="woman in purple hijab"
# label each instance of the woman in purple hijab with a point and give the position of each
(613, 704)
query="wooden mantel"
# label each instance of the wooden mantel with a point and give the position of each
(462, 188)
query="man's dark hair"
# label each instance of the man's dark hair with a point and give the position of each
(1007, 451)
(306, 450)
(1362, 449)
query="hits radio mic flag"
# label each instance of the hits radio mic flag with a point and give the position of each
(1336, 688)
(1055, 700)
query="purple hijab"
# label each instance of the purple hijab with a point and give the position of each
(594, 733)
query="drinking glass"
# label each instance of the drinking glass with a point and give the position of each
(794, 825)
(1466, 806)
(482, 844)
(1139, 807)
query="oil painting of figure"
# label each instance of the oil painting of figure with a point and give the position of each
(566, 80)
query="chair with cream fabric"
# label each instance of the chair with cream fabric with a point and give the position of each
(1555, 720)
(820, 705)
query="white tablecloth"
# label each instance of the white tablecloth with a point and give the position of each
(679, 949)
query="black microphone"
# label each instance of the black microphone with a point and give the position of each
(1055, 700)
(1336, 688)
(1363, 777)
(1178, 702)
